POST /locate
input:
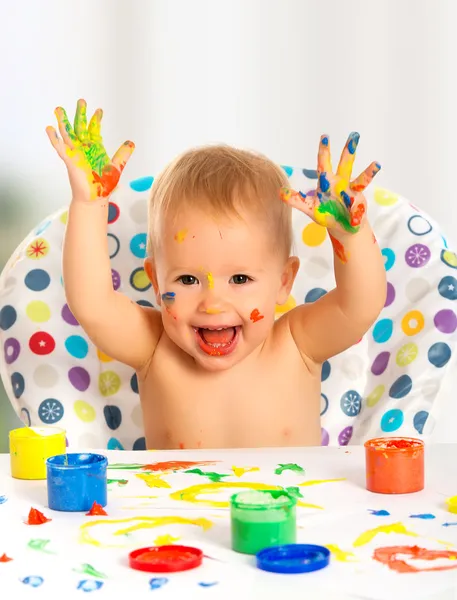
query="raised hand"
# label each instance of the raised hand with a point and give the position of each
(91, 172)
(338, 204)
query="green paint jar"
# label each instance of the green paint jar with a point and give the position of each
(262, 518)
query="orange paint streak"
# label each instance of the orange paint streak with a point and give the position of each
(5, 558)
(167, 308)
(389, 556)
(338, 248)
(255, 315)
(357, 215)
(97, 510)
(175, 465)
(36, 518)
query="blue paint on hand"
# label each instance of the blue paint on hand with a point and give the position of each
(3, 499)
(33, 580)
(89, 585)
(324, 183)
(346, 199)
(379, 513)
(422, 516)
(324, 141)
(353, 141)
(302, 195)
(157, 582)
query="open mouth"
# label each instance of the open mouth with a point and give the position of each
(217, 341)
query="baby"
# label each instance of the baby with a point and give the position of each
(215, 369)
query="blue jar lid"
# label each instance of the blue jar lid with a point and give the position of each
(293, 558)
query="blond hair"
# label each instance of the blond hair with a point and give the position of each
(220, 180)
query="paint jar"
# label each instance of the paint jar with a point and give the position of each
(30, 447)
(394, 465)
(76, 481)
(262, 518)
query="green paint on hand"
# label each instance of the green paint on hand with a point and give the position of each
(339, 212)
(39, 545)
(289, 467)
(216, 477)
(90, 570)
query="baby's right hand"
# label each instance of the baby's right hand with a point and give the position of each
(91, 172)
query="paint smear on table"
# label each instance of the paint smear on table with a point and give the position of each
(422, 516)
(40, 545)
(97, 510)
(157, 582)
(390, 556)
(319, 481)
(341, 555)
(87, 569)
(4, 558)
(169, 465)
(120, 482)
(86, 529)
(239, 471)
(379, 513)
(210, 474)
(153, 481)
(165, 540)
(370, 534)
(3, 499)
(36, 518)
(289, 467)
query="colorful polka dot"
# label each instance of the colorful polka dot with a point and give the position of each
(419, 225)
(68, 316)
(114, 245)
(42, 343)
(389, 258)
(326, 370)
(102, 357)
(84, 411)
(345, 436)
(324, 404)
(79, 378)
(139, 444)
(116, 278)
(382, 331)
(25, 417)
(113, 416)
(375, 396)
(113, 213)
(325, 438)
(77, 346)
(38, 311)
(445, 321)
(114, 444)
(313, 234)
(37, 280)
(449, 258)
(380, 363)
(417, 256)
(392, 420)
(447, 287)
(413, 322)
(37, 249)
(134, 383)
(50, 411)
(142, 184)
(64, 217)
(42, 227)
(281, 309)
(145, 303)
(310, 173)
(138, 245)
(385, 197)
(8, 316)
(401, 387)
(407, 354)
(420, 418)
(18, 384)
(314, 295)
(45, 376)
(109, 383)
(390, 295)
(139, 280)
(11, 350)
(439, 354)
(351, 403)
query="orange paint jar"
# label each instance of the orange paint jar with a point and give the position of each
(394, 465)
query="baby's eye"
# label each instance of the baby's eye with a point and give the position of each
(240, 279)
(188, 279)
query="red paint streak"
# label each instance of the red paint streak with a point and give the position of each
(388, 556)
(338, 248)
(175, 465)
(36, 518)
(357, 215)
(181, 445)
(255, 315)
(4, 558)
(97, 510)
(170, 313)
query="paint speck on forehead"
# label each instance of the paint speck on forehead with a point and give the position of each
(210, 280)
(180, 236)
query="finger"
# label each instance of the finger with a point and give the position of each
(95, 126)
(81, 120)
(348, 156)
(56, 142)
(365, 178)
(66, 130)
(123, 155)
(324, 160)
(303, 202)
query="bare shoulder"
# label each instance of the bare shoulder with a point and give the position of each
(285, 346)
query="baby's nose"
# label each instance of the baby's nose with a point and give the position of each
(212, 303)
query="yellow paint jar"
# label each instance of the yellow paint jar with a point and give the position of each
(30, 447)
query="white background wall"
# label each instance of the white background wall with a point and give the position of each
(267, 74)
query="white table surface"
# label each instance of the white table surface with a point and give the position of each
(345, 504)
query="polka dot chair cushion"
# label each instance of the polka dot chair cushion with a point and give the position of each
(388, 383)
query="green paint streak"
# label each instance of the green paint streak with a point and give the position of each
(88, 569)
(289, 467)
(40, 545)
(96, 156)
(339, 212)
(216, 477)
(126, 466)
(294, 491)
(120, 482)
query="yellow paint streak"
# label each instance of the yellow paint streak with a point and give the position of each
(318, 481)
(242, 470)
(165, 540)
(181, 235)
(341, 555)
(142, 523)
(212, 311)
(210, 280)
(190, 494)
(153, 481)
(370, 534)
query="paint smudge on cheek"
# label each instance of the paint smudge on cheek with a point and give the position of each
(168, 298)
(255, 315)
(170, 313)
(390, 556)
(338, 248)
(180, 236)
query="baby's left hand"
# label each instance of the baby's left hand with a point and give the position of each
(338, 204)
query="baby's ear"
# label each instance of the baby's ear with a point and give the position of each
(150, 270)
(287, 278)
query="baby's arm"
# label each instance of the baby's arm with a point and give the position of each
(340, 318)
(117, 326)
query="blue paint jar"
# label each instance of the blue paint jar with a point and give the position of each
(76, 481)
